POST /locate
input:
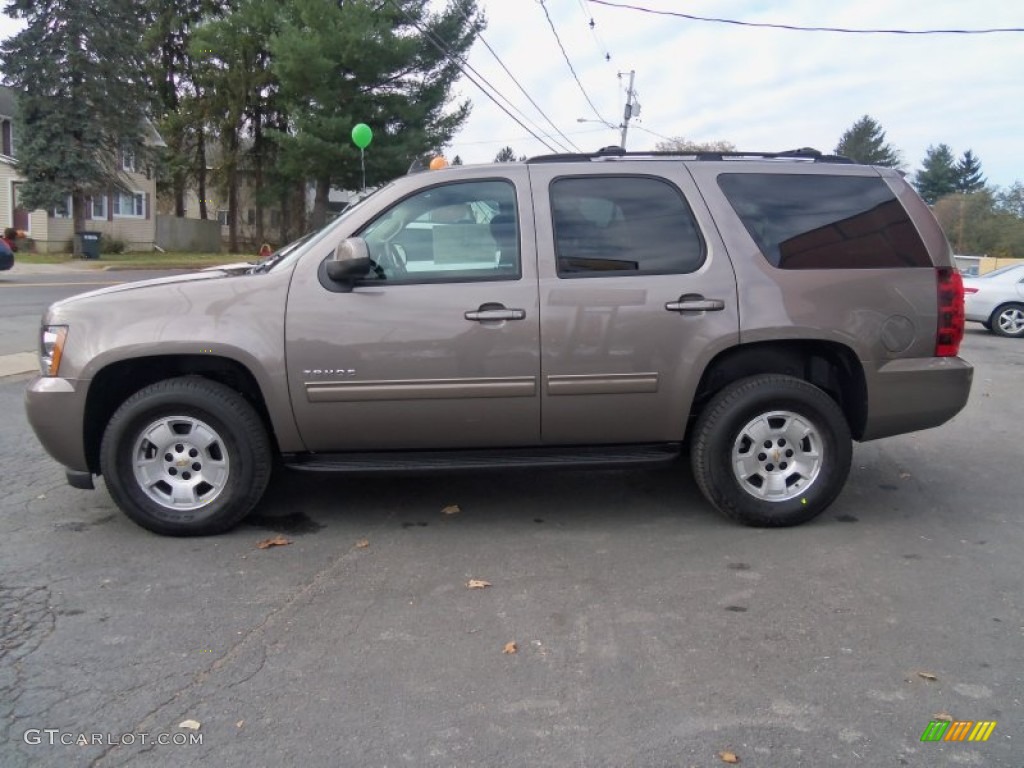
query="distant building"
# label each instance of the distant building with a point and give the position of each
(125, 215)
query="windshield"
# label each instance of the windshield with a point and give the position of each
(287, 253)
(1002, 270)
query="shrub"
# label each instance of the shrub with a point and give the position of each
(112, 245)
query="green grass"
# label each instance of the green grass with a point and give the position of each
(141, 260)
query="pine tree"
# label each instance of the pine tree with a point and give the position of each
(457, 160)
(340, 64)
(505, 155)
(864, 142)
(968, 174)
(938, 175)
(77, 69)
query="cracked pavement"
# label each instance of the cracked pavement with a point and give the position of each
(650, 631)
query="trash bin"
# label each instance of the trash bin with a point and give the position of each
(87, 244)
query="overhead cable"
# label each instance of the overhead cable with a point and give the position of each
(795, 28)
(567, 61)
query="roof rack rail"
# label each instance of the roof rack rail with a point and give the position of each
(616, 153)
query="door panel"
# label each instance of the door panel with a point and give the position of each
(443, 353)
(622, 350)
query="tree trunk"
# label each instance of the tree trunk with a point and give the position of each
(258, 176)
(323, 189)
(204, 214)
(77, 217)
(231, 168)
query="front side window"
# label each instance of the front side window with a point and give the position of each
(811, 221)
(623, 226)
(450, 233)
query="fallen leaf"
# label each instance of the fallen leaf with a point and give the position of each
(729, 757)
(240, 723)
(277, 541)
(451, 509)
(362, 544)
(478, 584)
(510, 647)
(904, 475)
(944, 716)
(192, 725)
(928, 676)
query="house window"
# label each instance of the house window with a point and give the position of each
(128, 160)
(250, 217)
(129, 205)
(222, 217)
(62, 210)
(8, 139)
(97, 207)
(275, 217)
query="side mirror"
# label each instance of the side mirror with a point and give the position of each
(351, 261)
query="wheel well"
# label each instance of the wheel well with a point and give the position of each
(119, 381)
(829, 366)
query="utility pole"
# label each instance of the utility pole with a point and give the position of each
(628, 111)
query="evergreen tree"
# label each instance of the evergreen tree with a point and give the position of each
(938, 175)
(340, 64)
(864, 142)
(968, 174)
(505, 155)
(457, 160)
(77, 69)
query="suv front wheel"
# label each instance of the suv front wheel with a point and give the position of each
(186, 457)
(771, 451)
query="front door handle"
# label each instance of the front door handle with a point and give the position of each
(694, 302)
(492, 312)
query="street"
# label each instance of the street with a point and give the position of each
(647, 630)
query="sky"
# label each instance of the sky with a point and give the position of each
(762, 89)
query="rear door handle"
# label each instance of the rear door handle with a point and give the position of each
(694, 302)
(492, 311)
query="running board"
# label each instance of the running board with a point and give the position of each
(603, 457)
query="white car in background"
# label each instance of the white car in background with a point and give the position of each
(996, 300)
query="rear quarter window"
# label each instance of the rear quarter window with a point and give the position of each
(825, 222)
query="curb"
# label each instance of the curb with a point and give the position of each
(18, 363)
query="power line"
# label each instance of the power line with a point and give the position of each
(571, 68)
(466, 68)
(527, 95)
(605, 54)
(794, 28)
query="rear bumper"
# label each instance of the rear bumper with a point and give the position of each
(912, 394)
(55, 408)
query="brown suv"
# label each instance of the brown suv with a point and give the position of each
(572, 310)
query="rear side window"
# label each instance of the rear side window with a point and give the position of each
(825, 222)
(622, 226)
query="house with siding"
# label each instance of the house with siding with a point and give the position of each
(126, 215)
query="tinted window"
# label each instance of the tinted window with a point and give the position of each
(825, 222)
(453, 232)
(622, 225)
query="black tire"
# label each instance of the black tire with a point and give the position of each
(803, 471)
(195, 437)
(1008, 320)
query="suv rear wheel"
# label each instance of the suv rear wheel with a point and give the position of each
(186, 457)
(771, 451)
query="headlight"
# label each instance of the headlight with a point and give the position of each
(51, 347)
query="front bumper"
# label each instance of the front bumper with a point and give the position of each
(919, 393)
(56, 410)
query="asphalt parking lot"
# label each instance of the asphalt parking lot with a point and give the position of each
(648, 631)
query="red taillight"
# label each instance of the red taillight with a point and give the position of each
(951, 312)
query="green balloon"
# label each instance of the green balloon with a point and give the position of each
(362, 135)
